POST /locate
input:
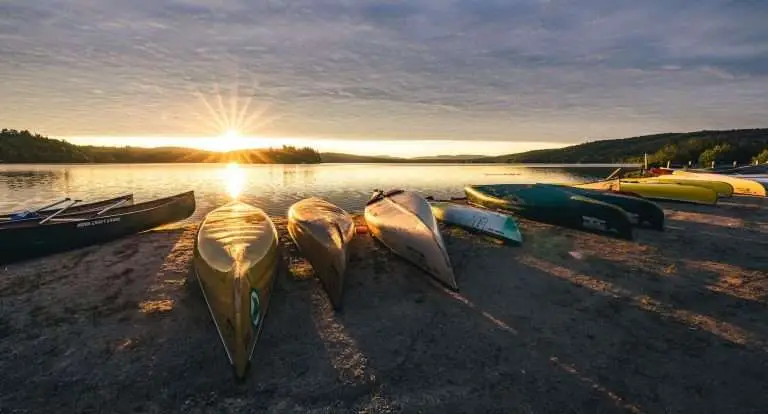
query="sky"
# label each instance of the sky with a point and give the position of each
(414, 77)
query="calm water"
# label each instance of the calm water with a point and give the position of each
(272, 187)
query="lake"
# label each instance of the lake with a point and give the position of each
(272, 187)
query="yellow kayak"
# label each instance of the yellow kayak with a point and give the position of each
(236, 260)
(656, 191)
(740, 185)
(722, 189)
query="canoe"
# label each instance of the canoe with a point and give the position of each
(403, 221)
(641, 212)
(741, 186)
(656, 191)
(322, 232)
(236, 260)
(554, 205)
(29, 239)
(722, 189)
(760, 178)
(77, 209)
(501, 226)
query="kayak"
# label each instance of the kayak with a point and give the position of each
(740, 185)
(322, 232)
(553, 204)
(722, 189)
(235, 261)
(28, 239)
(403, 221)
(656, 191)
(640, 210)
(124, 200)
(488, 222)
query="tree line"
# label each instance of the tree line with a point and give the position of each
(25, 147)
(701, 147)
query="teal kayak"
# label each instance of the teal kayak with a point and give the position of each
(498, 225)
(641, 211)
(551, 204)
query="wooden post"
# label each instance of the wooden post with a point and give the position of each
(668, 163)
(645, 162)
(713, 164)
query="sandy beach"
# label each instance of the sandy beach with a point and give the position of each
(674, 321)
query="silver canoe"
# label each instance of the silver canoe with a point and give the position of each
(236, 262)
(322, 231)
(403, 221)
(483, 221)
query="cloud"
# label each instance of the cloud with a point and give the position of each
(557, 70)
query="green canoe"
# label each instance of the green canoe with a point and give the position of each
(640, 210)
(551, 204)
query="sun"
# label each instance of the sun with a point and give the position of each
(228, 141)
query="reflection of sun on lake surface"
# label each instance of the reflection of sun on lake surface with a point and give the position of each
(234, 179)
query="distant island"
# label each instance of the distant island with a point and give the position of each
(700, 148)
(25, 147)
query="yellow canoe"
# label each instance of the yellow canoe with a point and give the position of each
(740, 185)
(235, 261)
(722, 189)
(656, 191)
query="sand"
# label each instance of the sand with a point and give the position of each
(674, 321)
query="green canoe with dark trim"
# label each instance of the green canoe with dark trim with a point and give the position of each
(553, 205)
(642, 212)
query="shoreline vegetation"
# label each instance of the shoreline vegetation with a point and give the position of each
(700, 148)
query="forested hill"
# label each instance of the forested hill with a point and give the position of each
(25, 147)
(702, 147)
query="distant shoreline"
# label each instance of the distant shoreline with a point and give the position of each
(526, 165)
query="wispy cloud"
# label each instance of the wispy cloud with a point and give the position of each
(557, 70)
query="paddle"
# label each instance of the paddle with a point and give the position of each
(63, 209)
(52, 205)
(110, 207)
(613, 173)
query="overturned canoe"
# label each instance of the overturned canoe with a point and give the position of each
(95, 207)
(741, 186)
(656, 191)
(640, 210)
(554, 205)
(722, 189)
(488, 222)
(27, 239)
(235, 260)
(322, 231)
(403, 221)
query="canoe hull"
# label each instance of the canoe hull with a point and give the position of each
(488, 222)
(237, 292)
(741, 186)
(553, 205)
(322, 232)
(640, 211)
(656, 191)
(721, 188)
(403, 222)
(23, 241)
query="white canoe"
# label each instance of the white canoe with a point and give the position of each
(322, 231)
(740, 185)
(403, 221)
(487, 222)
(236, 262)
